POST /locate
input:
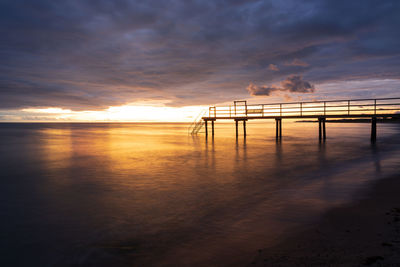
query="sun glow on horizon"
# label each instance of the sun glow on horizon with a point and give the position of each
(125, 113)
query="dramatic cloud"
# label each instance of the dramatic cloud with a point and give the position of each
(273, 67)
(295, 84)
(89, 55)
(255, 90)
(292, 84)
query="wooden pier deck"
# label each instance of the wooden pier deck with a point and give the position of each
(240, 111)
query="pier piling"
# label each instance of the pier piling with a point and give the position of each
(320, 129)
(237, 126)
(278, 123)
(373, 129)
(206, 127)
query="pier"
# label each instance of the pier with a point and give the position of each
(240, 112)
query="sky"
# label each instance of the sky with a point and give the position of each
(121, 60)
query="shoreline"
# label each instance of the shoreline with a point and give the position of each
(365, 232)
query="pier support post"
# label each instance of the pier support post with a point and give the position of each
(206, 127)
(321, 128)
(237, 127)
(237, 130)
(373, 129)
(278, 123)
(212, 128)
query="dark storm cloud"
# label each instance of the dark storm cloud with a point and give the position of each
(292, 84)
(296, 84)
(255, 90)
(92, 54)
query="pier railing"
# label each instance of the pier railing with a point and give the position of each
(342, 108)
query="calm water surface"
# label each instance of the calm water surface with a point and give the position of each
(150, 195)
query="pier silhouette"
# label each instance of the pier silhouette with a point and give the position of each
(241, 112)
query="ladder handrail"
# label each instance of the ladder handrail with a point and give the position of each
(198, 120)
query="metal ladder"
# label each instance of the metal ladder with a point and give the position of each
(197, 124)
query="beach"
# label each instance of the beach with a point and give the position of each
(363, 233)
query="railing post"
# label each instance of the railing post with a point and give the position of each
(374, 106)
(230, 114)
(262, 112)
(348, 107)
(324, 108)
(280, 108)
(215, 112)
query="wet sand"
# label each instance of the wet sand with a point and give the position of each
(363, 233)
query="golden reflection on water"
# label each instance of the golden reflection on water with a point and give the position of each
(156, 157)
(56, 145)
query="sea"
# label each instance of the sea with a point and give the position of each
(151, 194)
